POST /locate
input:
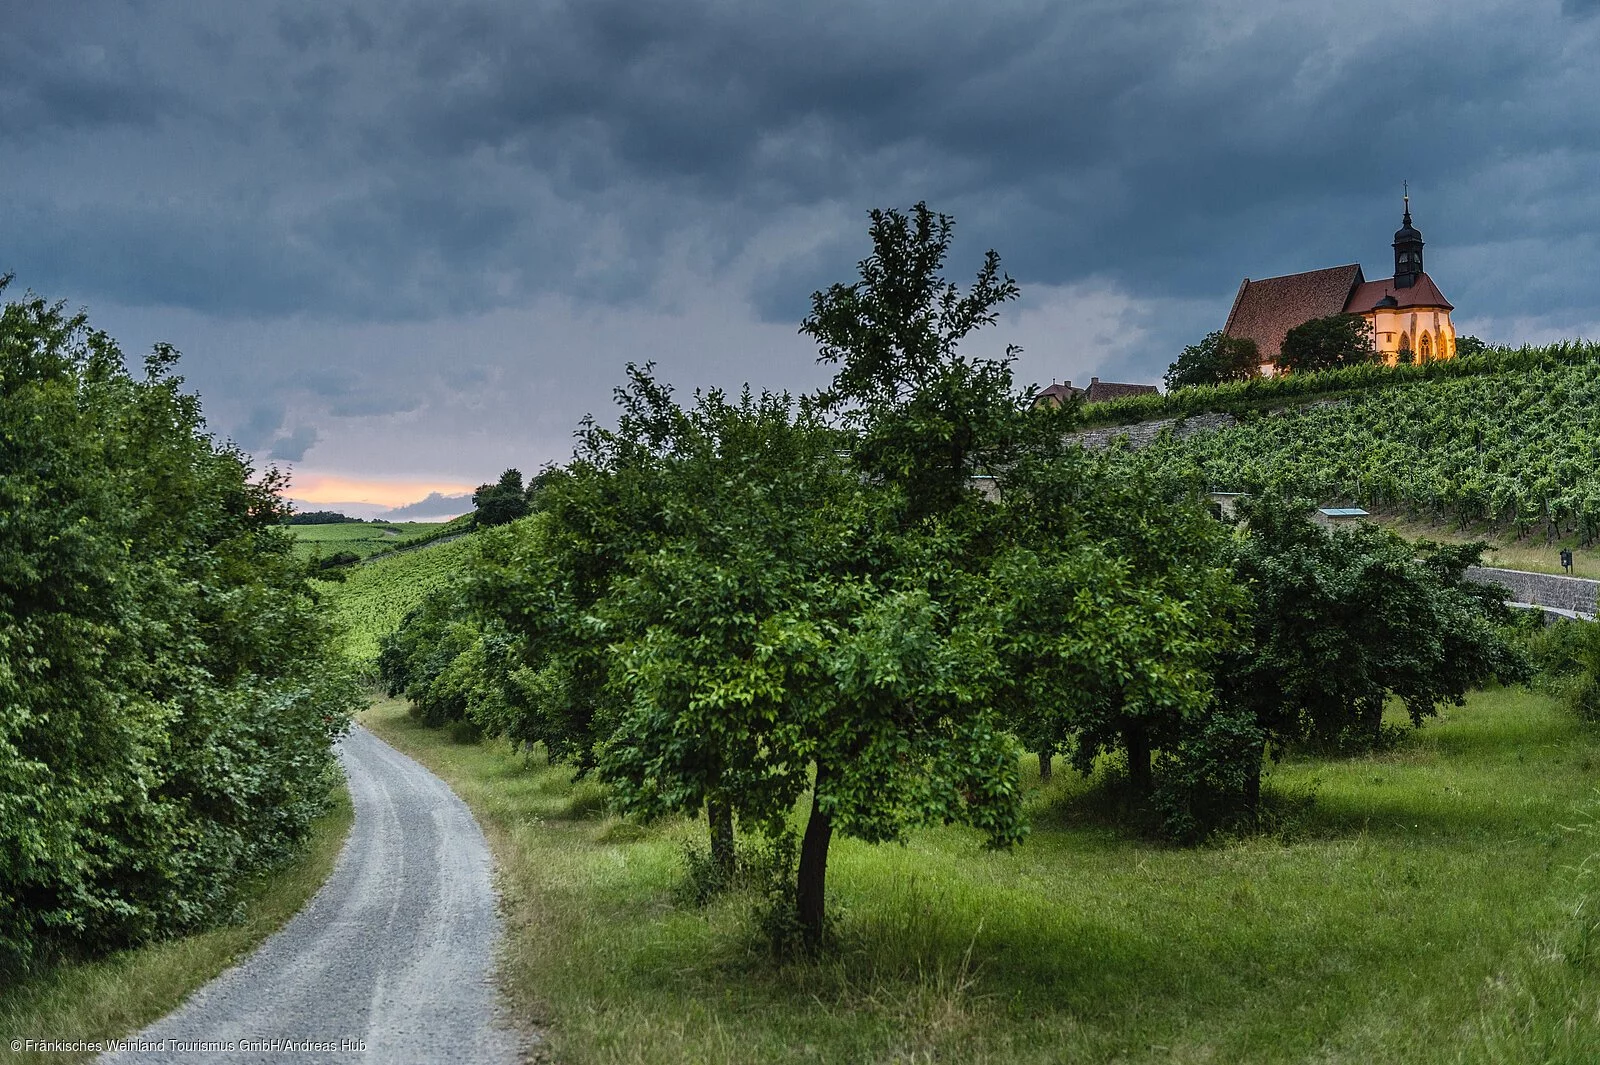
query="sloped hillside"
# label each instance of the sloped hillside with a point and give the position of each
(1518, 449)
(370, 602)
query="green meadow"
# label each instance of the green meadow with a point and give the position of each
(1432, 904)
(360, 538)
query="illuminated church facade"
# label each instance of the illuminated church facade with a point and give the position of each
(1407, 312)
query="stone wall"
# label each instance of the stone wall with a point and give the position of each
(1542, 589)
(1143, 434)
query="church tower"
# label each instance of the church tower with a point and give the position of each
(1407, 250)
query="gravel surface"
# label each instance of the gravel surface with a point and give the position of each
(391, 963)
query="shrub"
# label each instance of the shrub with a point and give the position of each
(168, 701)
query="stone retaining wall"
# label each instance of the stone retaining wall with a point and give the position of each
(1142, 434)
(1542, 589)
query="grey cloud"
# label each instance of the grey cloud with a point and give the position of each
(435, 505)
(293, 445)
(258, 426)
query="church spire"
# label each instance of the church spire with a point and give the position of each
(1407, 249)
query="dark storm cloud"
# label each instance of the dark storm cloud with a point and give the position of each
(379, 161)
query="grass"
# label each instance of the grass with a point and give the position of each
(122, 993)
(1426, 906)
(1532, 553)
(360, 538)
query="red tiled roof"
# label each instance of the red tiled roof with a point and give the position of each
(1056, 394)
(1423, 293)
(1100, 391)
(1267, 309)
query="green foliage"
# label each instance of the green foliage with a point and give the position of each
(167, 702)
(716, 609)
(1345, 618)
(1470, 345)
(1515, 449)
(924, 416)
(1112, 604)
(375, 597)
(1216, 359)
(319, 517)
(501, 502)
(1327, 344)
(1566, 655)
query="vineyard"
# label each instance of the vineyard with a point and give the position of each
(375, 596)
(1517, 450)
(365, 539)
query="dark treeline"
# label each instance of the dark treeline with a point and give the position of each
(320, 517)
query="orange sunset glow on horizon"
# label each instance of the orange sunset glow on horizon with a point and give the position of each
(333, 488)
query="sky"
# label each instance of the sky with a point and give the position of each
(404, 246)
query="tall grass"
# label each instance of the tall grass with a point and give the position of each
(1405, 914)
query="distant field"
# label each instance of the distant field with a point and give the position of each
(376, 595)
(362, 538)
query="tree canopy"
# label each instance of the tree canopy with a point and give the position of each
(1215, 359)
(1327, 343)
(501, 502)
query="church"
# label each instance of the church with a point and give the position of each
(1407, 312)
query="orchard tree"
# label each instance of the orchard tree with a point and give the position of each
(1216, 359)
(925, 416)
(1114, 605)
(1346, 617)
(772, 631)
(1327, 343)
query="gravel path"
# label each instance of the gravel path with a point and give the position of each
(389, 964)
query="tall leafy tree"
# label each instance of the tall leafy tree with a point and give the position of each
(1214, 360)
(926, 415)
(1327, 343)
(1114, 603)
(1345, 618)
(501, 502)
(780, 634)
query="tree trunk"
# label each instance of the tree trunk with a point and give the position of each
(1045, 759)
(1252, 786)
(1372, 720)
(1138, 743)
(812, 879)
(719, 816)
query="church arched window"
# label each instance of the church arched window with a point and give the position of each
(1425, 347)
(1405, 342)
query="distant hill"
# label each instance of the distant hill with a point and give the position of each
(435, 507)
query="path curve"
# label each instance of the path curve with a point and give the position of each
(392, 960)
